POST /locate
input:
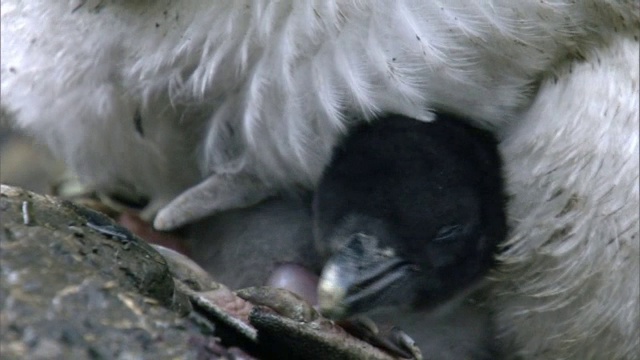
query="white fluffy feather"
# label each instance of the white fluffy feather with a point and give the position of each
(264, 89)
(570, 280)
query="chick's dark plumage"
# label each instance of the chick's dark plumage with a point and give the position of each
(409, 213)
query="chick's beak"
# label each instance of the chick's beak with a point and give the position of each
(361, 277)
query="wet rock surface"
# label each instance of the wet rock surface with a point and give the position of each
(74, 285)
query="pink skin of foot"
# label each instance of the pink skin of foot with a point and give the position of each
(297, 279)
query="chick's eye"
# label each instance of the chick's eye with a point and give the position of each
(449, 233)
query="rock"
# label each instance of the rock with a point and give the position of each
(71, 292)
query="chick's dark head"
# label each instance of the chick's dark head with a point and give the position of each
(408, 213)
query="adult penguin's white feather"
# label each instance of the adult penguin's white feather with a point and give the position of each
(573, 257)
(158, 96)
(241, 63)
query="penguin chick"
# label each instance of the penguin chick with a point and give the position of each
(271, 243)
(410, 214)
